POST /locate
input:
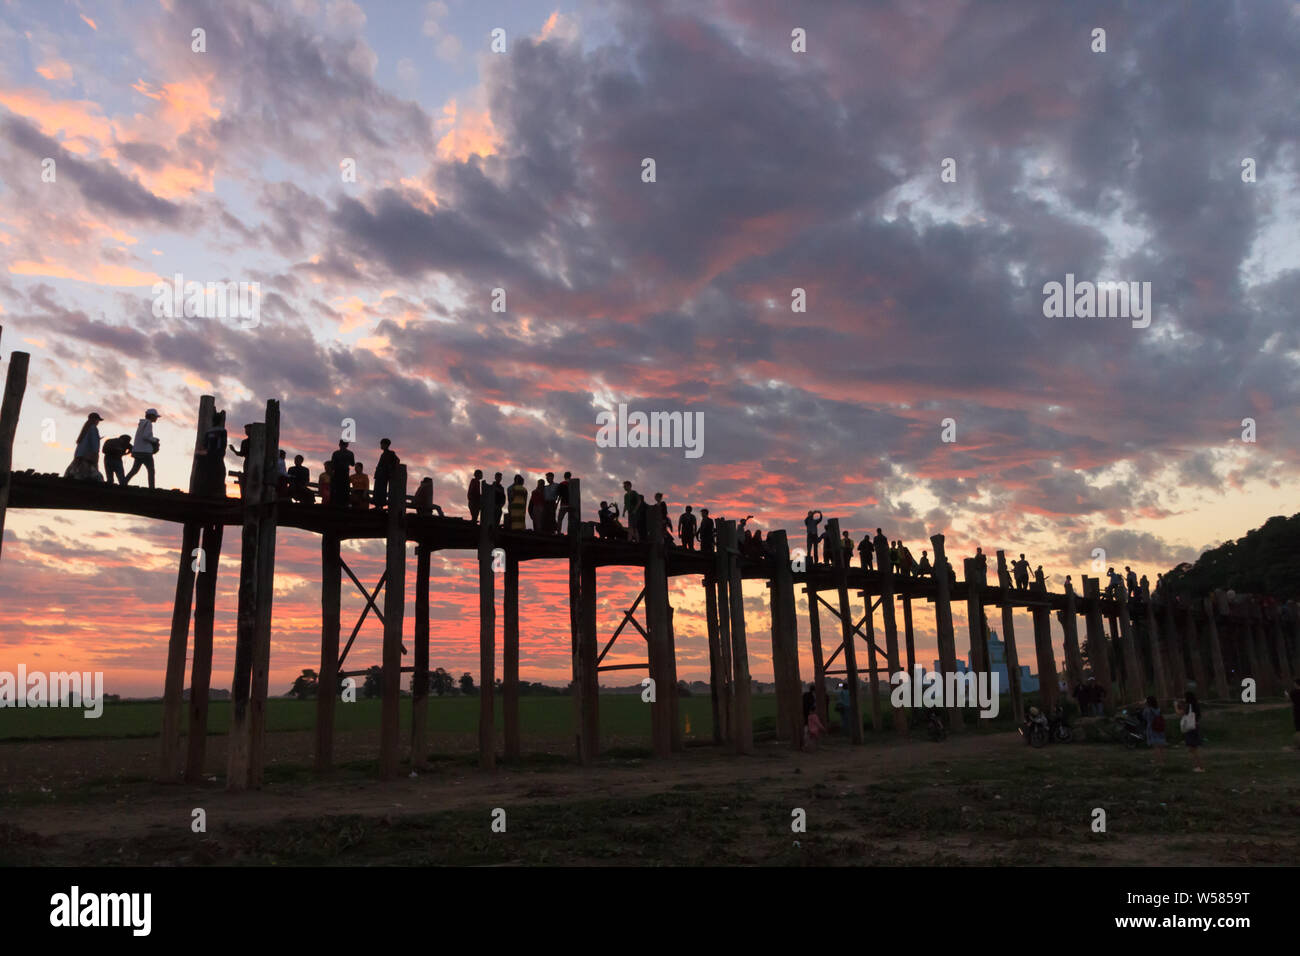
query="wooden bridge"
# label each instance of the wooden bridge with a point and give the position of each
(1152, 645)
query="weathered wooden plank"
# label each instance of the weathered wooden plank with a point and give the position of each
(394, 619)
(205, 600)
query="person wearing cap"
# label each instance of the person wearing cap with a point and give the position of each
(86, 454)
(144, 446)
(114, 449)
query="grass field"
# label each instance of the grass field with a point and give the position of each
(982, 798)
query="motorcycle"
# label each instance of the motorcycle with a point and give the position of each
(1058, 728)
(1130, 730)
(1039, 730)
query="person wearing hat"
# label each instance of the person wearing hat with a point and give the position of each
(86, 454)
(144, 446)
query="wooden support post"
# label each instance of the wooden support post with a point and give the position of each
(819, 659)
(834, 545)
(675, 742)
(237, 755)
(975, 615)
(1172, 648)
(716, 691)
(742, 721)
(943, 626)
(510, 653)
(1277, 638)
(1069, 618)
(1202, 668)
(394, 620)
(589, 680)
(177, 645)
(487, 623)
(891, 637)
(10, 407)
(327, 693)
(1211, 606)
(656, 620)
(1098, 656)
(778, 664)
(1270, 681)
(205, 601)
(265, 594)
(1048, 691)
(420, 676)
(872, 663)
(908, 636)
(1160, 646)
(1136, 679)
(722, 578)
(1009, 637)
(785, 638)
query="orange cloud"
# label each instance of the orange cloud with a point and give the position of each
(468, 133)
(101, 274)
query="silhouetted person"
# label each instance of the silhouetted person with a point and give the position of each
(706, 531)
(323, 483)
(1021, 572)
(664, 522)
(905, 562)
(114, 449)
(474, 495)
(144, 446)
(552, 494)
(299, 478)
(981, 564)
(341, 463)
(809, 701)
(85, 456)
(864, 551)
(562, 498)
(810, 523)
(876, 542)
(360, 483)
(537, 506)
(517, 495)
(422, 500)
(846, 549)
(610, 529)
(631, 505)
(1131, 579)
(686, 529)
(496, 504)
(384, 469)
(923, 568)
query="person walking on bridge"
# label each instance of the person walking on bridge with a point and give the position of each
(474, 495)
(686, 529)
(144, 446)
(384, 468)
(114, 449)
(810, 523)
(85, 457)
(1021, 570)
(341, 463)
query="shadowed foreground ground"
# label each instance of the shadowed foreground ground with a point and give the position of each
(981, 798)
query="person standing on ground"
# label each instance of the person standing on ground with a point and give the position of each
(1189, 724)
(384, 468)
(686, 529)
(114, 449)
(813, 519)
(1155, 729)
(809, 701)
(144, 446)
(341, 463)
(474, 495)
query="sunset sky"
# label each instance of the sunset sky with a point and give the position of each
(775, 170)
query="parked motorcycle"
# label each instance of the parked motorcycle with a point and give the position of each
(1058, 727)
(1130, 730)
(1036, 729)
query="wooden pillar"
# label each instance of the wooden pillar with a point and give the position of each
(834, 545)
(327, 693)
(908, 637)
(589, 679)
(205, 600)
(1216, 647)
(265, 595)
(1271, 680)
(975, 615)
(742, 721)
(487, 622)
(891, 636)
(177, 645)
(510, 653)
(722, 582)
(1098, 656)
(1160, 646)
(10, 407)
(943, 626)
(1277, 638)
(237, 761)
(420, 677)
(1137, 682)
(656, 620)
(1070, 629)
(1202, 669)
(1009, 637)
(785, 638)
(872, 663)
(819, 660)
(675, 742)
(1048, 692)
(715, 658)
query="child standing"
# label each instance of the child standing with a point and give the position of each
(1191, 733)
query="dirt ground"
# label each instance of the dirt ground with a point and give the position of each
(977, 798)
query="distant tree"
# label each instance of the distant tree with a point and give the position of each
(306, 685)
(683, 689)
(373, 686)
(466, 684)
(440, 682)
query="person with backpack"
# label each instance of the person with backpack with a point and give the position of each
(144, 446)
(384, 468)
(114, 449)
(1189, 724)
(1155, 728)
